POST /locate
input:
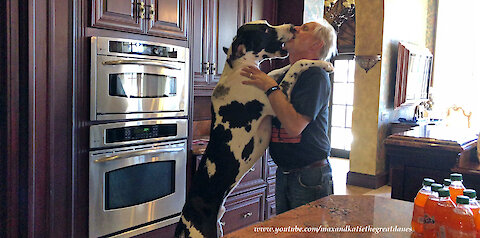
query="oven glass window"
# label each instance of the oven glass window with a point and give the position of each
(138, 184)
(142, 85)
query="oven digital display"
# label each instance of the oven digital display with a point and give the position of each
(140, 132)
(137, 184)
(142, 49)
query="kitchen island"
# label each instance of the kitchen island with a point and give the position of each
(338, 216)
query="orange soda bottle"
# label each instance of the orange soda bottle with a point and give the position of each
(475, 207)
(460, 222)
(447, 182)
(456, 187)
(429, 210)
(419, 204)
(443, 211)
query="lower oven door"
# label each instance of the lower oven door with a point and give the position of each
(136, 189)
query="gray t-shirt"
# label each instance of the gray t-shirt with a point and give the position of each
(310, 97)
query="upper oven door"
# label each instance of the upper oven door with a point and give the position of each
(127, 88)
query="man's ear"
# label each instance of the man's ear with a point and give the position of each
(319, 44)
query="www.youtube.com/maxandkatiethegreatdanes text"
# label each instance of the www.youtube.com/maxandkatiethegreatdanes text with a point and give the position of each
(331, 229)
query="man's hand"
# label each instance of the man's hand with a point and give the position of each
(293, 122)
(258, 78)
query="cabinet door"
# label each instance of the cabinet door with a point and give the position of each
(229, 15)
(201, 37)
(120, 15)
(169, 18)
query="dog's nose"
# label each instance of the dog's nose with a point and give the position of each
(292, 29)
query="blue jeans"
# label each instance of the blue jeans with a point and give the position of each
(294, 189)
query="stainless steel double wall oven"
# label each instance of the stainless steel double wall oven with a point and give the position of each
(138, 137)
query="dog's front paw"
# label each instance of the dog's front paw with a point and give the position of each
(327, 66)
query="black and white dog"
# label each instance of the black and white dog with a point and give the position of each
(241, 125)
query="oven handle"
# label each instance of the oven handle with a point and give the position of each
(140, 62)
(137, 153)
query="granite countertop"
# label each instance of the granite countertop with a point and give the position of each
(347, 212)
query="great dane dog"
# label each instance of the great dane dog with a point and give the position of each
(241, 125)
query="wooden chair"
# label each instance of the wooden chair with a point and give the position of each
(458, 117)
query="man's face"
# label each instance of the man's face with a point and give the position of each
(304, 38)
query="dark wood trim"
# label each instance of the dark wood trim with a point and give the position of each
(367, 180)
(81, 105)
(3, 118)
(49, 118)
(10, 122)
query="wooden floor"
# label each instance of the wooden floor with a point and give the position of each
(340, 168)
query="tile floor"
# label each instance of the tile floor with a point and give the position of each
(340, 168)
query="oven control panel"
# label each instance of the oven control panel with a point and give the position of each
(137, 48)
(137, 132)
(140, 132)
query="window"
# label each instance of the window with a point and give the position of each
(342, 106)
(456, 76)
(312, 10)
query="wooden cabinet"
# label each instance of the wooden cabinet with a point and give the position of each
(243, 210)
(426, 151)
(164, 18)
(215, 25)
(253, 199)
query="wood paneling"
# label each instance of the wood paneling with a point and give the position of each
(202, 108)
(117, 14)
(169, 19)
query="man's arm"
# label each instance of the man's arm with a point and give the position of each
(293, 122)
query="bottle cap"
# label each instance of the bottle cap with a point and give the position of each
(462, 199)
(470, 193)
(428, 181)
(443, 192)
(456, 177)
(447, 182)
(436, 187)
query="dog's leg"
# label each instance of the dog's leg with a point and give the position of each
(221, 212)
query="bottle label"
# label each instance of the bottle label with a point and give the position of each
(442, 232)
(428, 219)
(420, 220)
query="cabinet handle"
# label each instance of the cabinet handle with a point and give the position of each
(248, 214)
(141, 10)
(206, 68)
(213, 68)
(152, 13)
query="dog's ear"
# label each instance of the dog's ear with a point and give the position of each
(238, 50)
(225, 49)
(241, 50)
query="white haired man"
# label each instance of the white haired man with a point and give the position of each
(299, 144)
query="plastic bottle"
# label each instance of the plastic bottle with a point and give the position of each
(419, 204)
(444, 208)
(456, 187)
(430, 208)
(447, 182)
(460, 222)
(474, 206)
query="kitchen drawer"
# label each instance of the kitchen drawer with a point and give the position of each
(272, 169)
(243, 210)
(271, 187)
(270, 210)
(253, 178)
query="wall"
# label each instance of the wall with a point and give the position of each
(380, 25)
